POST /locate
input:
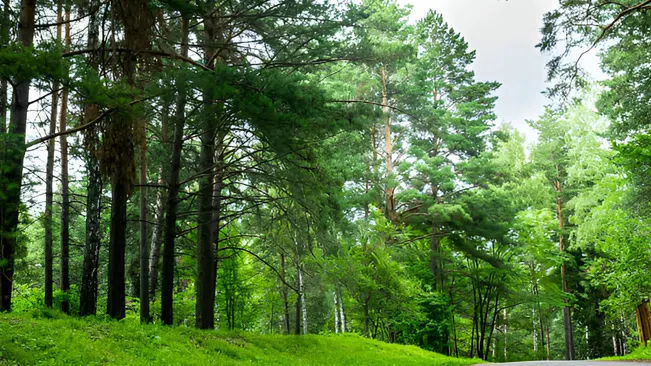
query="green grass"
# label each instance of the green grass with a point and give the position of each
(640, 354)
(61, 340)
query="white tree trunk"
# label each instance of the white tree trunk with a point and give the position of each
(342, 315)
(506, 332)
(336, 313)
(301, 288)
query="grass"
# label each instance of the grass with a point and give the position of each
(50, 338)
(640, 354)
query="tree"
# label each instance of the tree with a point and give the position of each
(11, 175)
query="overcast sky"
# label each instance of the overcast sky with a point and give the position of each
(504, 34)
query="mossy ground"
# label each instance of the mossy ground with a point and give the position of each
(50, 338)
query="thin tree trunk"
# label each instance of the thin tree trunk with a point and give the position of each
(205, 287)
(144, 237)
(4, 39)
(342, 314)
(285, 291)
(89, 283)
(167, 288)
(336, 312)
(301, 284)
(64, 251)
(159, 214)
(366, 316)
(548, 345)
(506, 338)
(388, 150)
(567, 315)
(434, 255)
(297, 321)
(216, 209)
(49, 178)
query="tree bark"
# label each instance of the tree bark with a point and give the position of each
(167, 288)
(301, 284)
(49, 178)
(567, 315)
(64, 237)
(342, 314)
(336, 302)
(144, 237)
(388, 150)
(297, 321)
(434, 255)
(117, 245)
(285, 291)
(366, 316)
(205, 287)
(159, 214)
(216, 208)
(15, 154)
(89, 282)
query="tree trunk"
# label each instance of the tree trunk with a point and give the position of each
(366, 316)
(301, 284)
(117, 244)
(388, 150)
(342, 314)
(167, 288)
(205, 287)
(548, 345)
(336, 312)
(144, 237)
(11, 178)
(216, 210)
(434, 255)
(297, 322)
(567, 315)
(159, 214)
(89, 283)
(64, 251)
(49, 178)
(285, 291)
(4, 39)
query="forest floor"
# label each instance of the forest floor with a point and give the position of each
(51, 338)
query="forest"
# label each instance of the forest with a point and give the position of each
(300, 168)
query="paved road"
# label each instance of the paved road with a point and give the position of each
(571, 363)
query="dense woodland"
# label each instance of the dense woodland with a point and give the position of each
(296, 166)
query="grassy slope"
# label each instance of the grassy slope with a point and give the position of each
(69, 341)
(640, 354)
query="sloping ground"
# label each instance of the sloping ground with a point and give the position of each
(640, 354)
(26, 340)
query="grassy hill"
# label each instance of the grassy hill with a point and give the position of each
(61, 340)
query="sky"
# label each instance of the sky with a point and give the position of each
(504, 35)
